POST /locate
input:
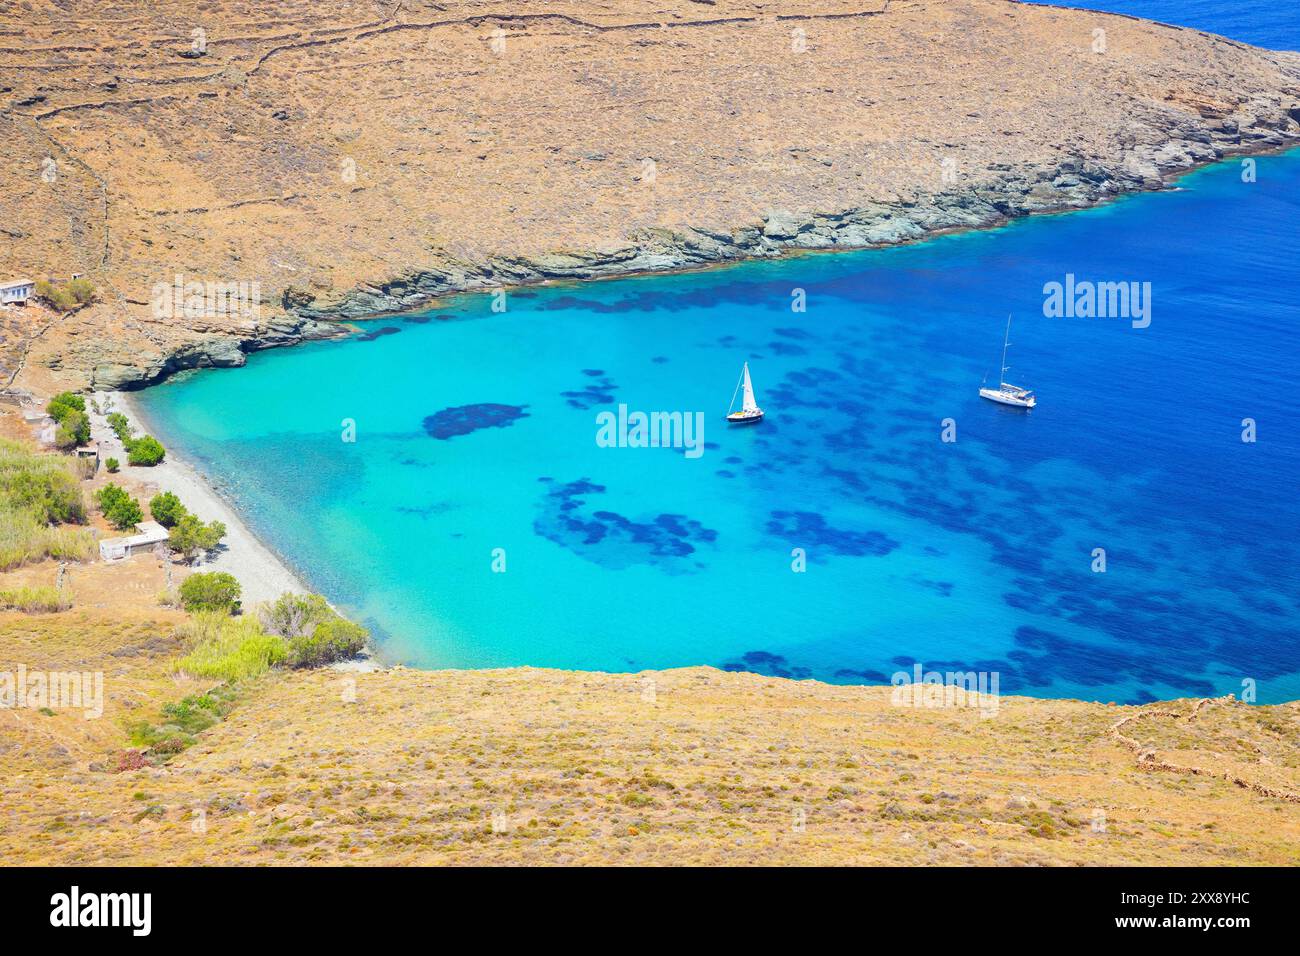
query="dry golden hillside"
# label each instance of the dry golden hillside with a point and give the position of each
(682, 766)
(357, 157)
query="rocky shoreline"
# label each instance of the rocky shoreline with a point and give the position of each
(1018, 192)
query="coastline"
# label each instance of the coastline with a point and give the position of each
(251, 558)
(689, 251)
(262, 574)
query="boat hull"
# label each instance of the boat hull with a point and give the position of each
(1002, 398)
(740, 418)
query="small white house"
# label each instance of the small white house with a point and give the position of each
(151, 533)
(17, 292)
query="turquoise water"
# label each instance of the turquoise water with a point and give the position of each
(476, 431)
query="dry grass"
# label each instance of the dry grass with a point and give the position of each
(403, 766)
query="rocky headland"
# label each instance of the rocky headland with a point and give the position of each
(344, 165)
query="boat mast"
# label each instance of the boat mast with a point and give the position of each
(737, 391)
(1006, 340)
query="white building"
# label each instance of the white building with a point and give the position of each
(151, 533)
(17, 292)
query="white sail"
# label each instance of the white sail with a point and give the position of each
(748, 404)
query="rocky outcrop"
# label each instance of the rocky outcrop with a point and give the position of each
(216, 351)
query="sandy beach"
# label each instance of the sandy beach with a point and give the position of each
(261, 573)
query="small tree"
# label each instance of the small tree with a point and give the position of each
(112, 464)
(121, 510)
(332, 640)
(73, 430)
(144, 451)
(210, 591)
(190, 536)
(120, 425)
(294, 615)
(60, 298)
(82, 291)
(65, 402)
(167, 509)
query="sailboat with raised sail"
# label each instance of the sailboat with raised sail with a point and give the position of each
(749, 411)
(1006, 393)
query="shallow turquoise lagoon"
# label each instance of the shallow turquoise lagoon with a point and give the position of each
(476, 431)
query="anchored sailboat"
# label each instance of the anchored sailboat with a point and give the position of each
(749, 410)
(1006, 393)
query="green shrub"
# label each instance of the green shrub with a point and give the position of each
(81, 290)
(59, 297)
(66, 297)
(210, 591)
(42, 599)
(228, 648)
(144, 451)
(120, 425)
(73, 430)
(70, 544)
(24, 538)
(112, 464)
(121, 510)
(42, 484)
(180, 721)
(333, 640)
(167, 509)
(63, 403)
(38, 493)
(294, 615)
(190, 536)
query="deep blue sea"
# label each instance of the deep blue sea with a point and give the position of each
(1269, 23)
(476, 449)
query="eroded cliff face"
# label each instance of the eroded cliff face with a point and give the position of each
(348, 159)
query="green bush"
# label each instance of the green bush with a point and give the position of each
(120, 425)
(121, 510)
(333, 640)
(112, 464)
(63, 403)
(66, 297)
(189, 536)
(60, 298)
(73, 430)
(210, 591)
(42, 484)
(167, 509)
(294, 615)
(38, 493)
(36, 600)
(144, 451)
(82, 290)
(181, 720)
(228, 648)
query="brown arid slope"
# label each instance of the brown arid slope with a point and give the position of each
(683, 766)
(355, 158)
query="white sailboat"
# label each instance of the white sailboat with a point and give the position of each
(1006, 393)
(749, 410)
